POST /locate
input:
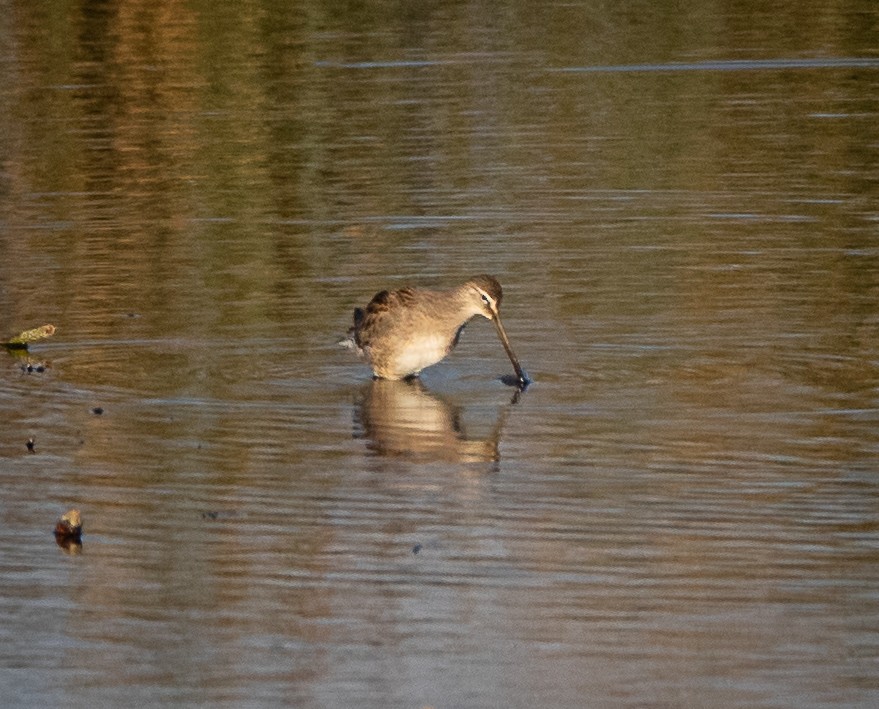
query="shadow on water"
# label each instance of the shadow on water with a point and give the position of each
(406, 419)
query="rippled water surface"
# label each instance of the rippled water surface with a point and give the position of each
(682, 205)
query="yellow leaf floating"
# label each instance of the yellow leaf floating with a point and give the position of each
(37, 333)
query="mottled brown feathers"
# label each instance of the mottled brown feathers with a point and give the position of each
(387, 299)
(381, 303)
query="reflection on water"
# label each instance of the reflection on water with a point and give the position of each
(682, 206)
(406, 419)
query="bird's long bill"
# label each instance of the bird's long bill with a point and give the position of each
(505, 341)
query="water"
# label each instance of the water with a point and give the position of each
(682, 207)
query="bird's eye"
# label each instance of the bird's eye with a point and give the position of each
(485, 299)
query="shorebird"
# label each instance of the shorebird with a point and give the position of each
(403, 331)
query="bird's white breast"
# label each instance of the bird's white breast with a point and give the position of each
(419, 353)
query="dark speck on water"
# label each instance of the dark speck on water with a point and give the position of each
(220, 514)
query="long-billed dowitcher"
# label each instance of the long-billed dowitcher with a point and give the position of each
(403, 331)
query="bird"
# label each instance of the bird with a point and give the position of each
(401, 332)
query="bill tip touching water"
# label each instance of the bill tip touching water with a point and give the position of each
(401, 332)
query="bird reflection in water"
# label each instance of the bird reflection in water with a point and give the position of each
(405, 419)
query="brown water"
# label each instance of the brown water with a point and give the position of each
(682, 203)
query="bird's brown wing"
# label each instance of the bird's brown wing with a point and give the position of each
(377, 319)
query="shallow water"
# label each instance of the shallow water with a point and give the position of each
(683, 210)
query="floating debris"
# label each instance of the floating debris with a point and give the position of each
(30, 444)
(69, 527)
(97, 410)
(417, 548)
(31, 367)
(23, 339)
(214, 515)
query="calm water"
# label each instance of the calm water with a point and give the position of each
(682, 203)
